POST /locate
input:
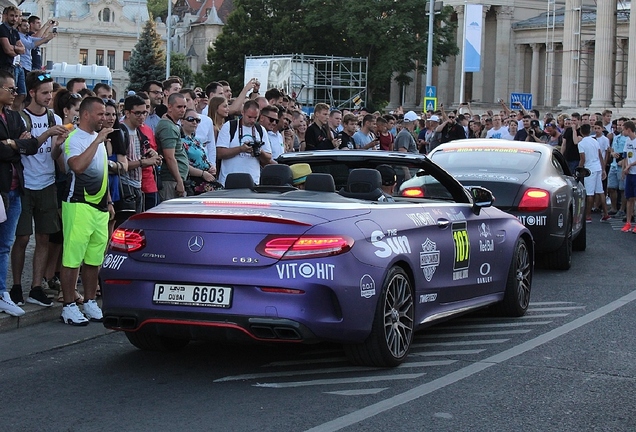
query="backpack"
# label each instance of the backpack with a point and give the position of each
(234, 128)
(50, 115)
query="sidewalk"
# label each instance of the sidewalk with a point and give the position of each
(34, 314)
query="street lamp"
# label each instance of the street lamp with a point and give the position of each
(429, 52)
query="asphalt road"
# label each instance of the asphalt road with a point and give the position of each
(569, 365)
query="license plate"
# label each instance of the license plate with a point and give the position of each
(193, 295)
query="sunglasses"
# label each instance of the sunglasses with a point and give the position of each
(273, 120)
(451, 117)
(76, 95)
(192, 119)
(44, 76)
(12, 90)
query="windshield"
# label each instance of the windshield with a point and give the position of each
(487, 159)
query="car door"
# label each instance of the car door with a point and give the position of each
(575, 187)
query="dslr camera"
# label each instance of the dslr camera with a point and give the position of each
(256, 147)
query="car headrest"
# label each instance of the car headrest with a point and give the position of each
(239, 181)
(276, 175)
(320, 182)
(363, 180)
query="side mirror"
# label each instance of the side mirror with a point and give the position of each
(482, 197)
(582, 172)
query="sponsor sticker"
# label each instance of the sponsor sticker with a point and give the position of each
(421, 219)
(114, 262)
(305, 270)
(484, 271)
(427, 298)
(560, 221)
(429, 259)
(390, 244)
(461, 243)
(367, 286)
(533, 220)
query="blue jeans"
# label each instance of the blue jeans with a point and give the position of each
(7, 236)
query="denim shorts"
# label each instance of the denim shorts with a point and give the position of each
(614, 180)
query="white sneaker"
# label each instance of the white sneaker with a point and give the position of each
(92, 311)
(73, 316)
(7, 306)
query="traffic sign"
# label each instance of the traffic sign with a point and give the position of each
(430, 104)
(524, 98)
(431, 92)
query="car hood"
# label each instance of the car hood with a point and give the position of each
(226, 232)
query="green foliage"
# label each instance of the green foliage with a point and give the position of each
(158, 8)
(179, 67)
(391, 34)
(148, 59)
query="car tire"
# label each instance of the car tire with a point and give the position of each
(147, 341)
(561, 259)
(580, 242)
(519, 283)
(392, 331)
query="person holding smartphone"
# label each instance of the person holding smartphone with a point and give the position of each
(365, 138)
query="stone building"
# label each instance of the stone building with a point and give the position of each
(102, 32)
(571, 54)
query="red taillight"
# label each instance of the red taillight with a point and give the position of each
(127, 240)
(282, 290)
(534, 200)
(413, 192)
(291, 247)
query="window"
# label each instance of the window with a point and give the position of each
(83, 57)
(126, 59)
(99, 57)
(110, 60)
(106, 15)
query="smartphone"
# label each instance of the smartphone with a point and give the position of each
(500, 100)
(54, 30)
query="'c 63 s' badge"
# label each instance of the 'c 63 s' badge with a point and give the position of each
(195, 244)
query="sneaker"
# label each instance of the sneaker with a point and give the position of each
(8, 306)
(37, 296)
(73, 316)
(55, 283)
(596, 210)
(16, 295)
(605, 218)
(92, 311)
(612, 212)
(619, 214)
(627, 227)
(588, 220)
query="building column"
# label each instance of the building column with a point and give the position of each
(630, 99)
(603, 59)
(520, 74)
(444, 83)
(410, 92)
(620, 73)
(394, 94)
(536, 74)
(571, 47)
(502, 51)
(478, 77)
(458, 59)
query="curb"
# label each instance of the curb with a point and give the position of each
(34, 315)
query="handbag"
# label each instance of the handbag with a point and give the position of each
(128, 197)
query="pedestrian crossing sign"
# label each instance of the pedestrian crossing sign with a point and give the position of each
(430, 104)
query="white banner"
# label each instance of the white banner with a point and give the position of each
(472, 33)
(271, 72)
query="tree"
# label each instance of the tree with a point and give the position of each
(148, 59)
(179, 67)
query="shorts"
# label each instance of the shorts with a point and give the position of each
(85, 234)
(39, 206)
(593, 184)
(20, 80)
(614, 178)
(630, 186)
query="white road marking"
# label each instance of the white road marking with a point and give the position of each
(340, 381)
(308, 361)
(460, 343)
(554, 315)
(446, 353)
(494, 325)
(564, 308)
(360, 392)
(533, 304)
(453, 377)
(469, 334)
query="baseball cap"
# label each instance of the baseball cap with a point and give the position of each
(411, 116)
(389, 177)
(300, 172)
(434, 118)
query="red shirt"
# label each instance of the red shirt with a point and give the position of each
(148, 182)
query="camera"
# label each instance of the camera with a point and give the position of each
(256, 147)
(531, 131)
(534, 123)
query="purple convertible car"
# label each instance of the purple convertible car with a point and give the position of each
(339, 261)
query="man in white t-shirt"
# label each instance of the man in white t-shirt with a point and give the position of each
(629, 171)
(269, 119)
(497, 131)
(39, 202)
(591, 158)
(240, 151)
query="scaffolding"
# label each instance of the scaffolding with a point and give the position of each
(548, 97)
(340, 82)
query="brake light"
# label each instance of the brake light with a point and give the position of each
(286, 247)
(282, 290)
(413, 192)
(127, 240)
(534, 200)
